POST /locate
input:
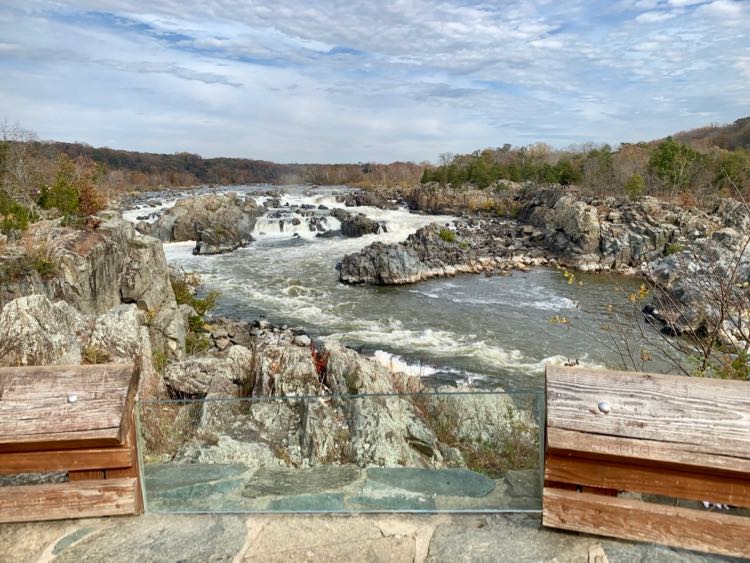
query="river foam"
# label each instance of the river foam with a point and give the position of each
(469, 328)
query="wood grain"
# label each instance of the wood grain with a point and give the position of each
(636, 520)
(597, 446)
(728, 489)
(82, 499)
(134, 470)
(35, 413)
(65, 460)
(711, 414)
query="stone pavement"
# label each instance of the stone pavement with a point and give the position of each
(274, 538)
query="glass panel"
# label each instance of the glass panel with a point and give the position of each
(431, 452)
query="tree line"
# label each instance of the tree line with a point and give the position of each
(711, 160)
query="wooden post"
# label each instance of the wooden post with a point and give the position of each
(70, 418)
(677, 437)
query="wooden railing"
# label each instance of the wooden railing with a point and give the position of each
(73, 419)
(636, 456)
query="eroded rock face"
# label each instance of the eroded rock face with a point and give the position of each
(36, 332)
(286, 371)
(384, 431)
(218, 223)
(591, 234)
(695, 289)
(100, 269)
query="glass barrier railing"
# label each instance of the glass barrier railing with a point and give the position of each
(426, 452)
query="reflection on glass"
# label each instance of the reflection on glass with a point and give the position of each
(423, 452)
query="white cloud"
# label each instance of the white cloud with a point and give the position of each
(291, 80)
(654, 17)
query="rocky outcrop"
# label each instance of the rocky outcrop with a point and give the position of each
(367, 198)
(490, 246)
(193, 377)
(609, 234)
(37, 332)
(218, 223)
(554, 225)
(293, 415)
(118, 333)
(97, 269)
(94, 269)
(357, 225)
(704, 288)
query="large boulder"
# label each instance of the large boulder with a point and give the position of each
(117, 333)
(611, 233)
(286, 371)
(193, 377)
(36, 332)
(427, 253)
(218, 223)
(357, 224)
(384, 430)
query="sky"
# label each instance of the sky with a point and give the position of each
(351, 81)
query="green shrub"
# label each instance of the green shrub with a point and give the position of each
(44, 267)
(74, 192)
(196, 340)
(673, 248)
(635, 186)
(13, 215)
(447, 235)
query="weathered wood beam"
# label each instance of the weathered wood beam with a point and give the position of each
(635, 477)
(65, 460)
(636, 520)
(712, 414)
(81, 499)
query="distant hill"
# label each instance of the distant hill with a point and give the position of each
(183, 169)
(730, 137)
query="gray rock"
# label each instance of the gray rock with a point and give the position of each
(193, 377)
(118, 333)
(384, 431)
(293, 481)
(103, 268)
(218, 223)
(356, 225)
(34, 331)
(302, 340)
(286, 371)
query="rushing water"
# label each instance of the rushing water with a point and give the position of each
(491, 330)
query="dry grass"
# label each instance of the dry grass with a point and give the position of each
(166, 427)
(94, 355)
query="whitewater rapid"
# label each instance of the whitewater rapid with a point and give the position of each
(471, 328)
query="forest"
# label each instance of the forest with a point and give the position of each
(77, 179)
(690, 164)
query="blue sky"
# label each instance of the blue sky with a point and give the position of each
(332, 81)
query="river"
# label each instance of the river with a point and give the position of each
(490, 331)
